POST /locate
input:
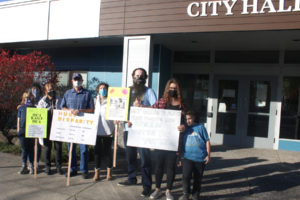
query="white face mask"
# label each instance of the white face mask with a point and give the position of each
(77, 83)
(34, 92)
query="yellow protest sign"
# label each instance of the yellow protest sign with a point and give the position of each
(36, 123)
(117, 104)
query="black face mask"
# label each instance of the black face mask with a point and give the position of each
(173, 93)
(52, 94)
(140, 81)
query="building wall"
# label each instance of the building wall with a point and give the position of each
(130, 17)
(34, 20)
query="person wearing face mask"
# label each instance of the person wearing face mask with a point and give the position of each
(50, 101)
(78, 100)
(103, 151)
(172, 99)
(140, 96)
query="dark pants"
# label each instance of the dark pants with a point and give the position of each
(27, 145)
(165, 160)
(103, 150)
(57, 149)
(190, 167)
(39, 150)
(131, 157)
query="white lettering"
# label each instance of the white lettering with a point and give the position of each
(201, 8)
(281, 7)
(214, 7)
(190, 7)
(268, 5)
(228, 7)
(203, 11)
(246, 6)
(297, 5)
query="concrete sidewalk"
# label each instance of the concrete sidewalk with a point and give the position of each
(232, 174)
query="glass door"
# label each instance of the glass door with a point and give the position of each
(290, 110)
(261, 112)
(225, 110)
(245, 111)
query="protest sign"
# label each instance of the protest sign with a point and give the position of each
(117, 103)
(36, 123)
(81, 129)
(154, 128)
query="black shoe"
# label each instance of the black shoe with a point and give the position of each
(85, 175)
(126, 183)
(72, 174)
(196, 196)
(48, 171)
(23, 170)
(146, 192)
(59, 171)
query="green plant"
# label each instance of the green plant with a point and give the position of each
(10, 148)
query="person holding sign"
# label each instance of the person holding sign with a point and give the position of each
(104, 133)
(196, 155)
(140, 95)
(50, 102)
(78, 100)
(27, 144)
(172, 100)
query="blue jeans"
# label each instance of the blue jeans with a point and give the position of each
(131, 157)
(83, 158)
(27, 150)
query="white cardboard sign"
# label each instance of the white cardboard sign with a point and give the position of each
(81, 129)
(154, 128)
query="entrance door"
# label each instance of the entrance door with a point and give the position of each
(244, 111)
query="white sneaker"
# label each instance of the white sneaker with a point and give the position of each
(155, 194)
(169, 196)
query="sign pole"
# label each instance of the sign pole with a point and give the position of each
(35, 158)
(69, 165)
(115, 145)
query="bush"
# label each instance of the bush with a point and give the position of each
(10, 148)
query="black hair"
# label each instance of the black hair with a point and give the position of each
(37, 85)
(142, 69)
(101, 83)
(191, 113)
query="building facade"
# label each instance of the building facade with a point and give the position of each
(238, 60)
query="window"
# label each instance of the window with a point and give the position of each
(65, 80)
(195, 93)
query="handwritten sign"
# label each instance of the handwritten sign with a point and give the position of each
(154, 128)
(81, 129)
(36, 123)
(117, 103)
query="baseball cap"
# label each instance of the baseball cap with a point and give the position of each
(76, 75)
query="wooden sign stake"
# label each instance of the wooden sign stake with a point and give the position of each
(115, 146)
(69, 165)
(35, 158)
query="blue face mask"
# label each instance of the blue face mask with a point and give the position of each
(103, 92)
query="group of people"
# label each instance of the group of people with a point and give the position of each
(193, 148)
